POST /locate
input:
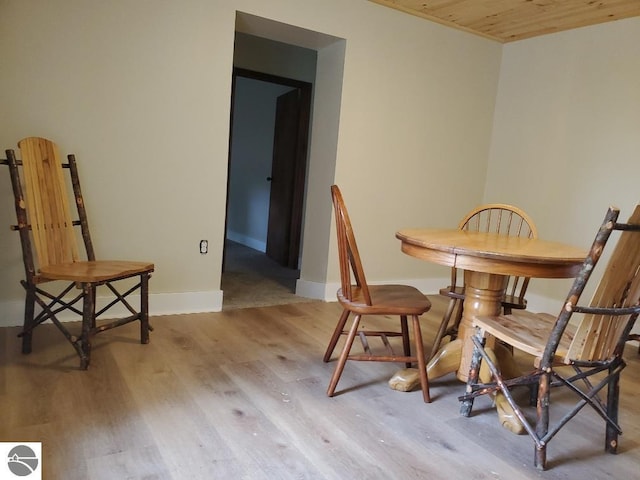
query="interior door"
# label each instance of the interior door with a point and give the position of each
(287, 177)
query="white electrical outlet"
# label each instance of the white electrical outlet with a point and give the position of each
(204, 246)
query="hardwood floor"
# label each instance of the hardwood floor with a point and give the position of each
(241, 395)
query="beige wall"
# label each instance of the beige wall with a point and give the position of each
(415, 127)
(140, 91)
(566, 138)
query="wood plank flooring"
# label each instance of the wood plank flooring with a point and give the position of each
(241, 395)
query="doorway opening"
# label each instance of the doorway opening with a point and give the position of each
(265, 188)
(291, 52)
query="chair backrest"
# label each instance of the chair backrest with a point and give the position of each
(502, 219)
(47, 202)
(42, 206)
(499, 218)
(606, 323)
(348, 255)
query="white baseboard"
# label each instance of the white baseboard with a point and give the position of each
(159, 304)
(201, 302)
(186, 302)
(318, 291)
(428, 286)
(538, 303)
(250, 242)
(327, 291)
(211, 301)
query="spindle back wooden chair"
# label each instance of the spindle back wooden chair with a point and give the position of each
(498, 218)
(580, 348)
(361, 299)
(50, 253)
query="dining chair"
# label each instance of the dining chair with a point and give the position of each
(51, 254)
(580, 348)
(362, 299)
(498, 218)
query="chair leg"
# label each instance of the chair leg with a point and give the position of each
(443, 328)
(542, 424)
(336, 335)
(94, 295)
(422, 364)
(29, 312)
(406, 341)
(88, 321)
(342, 360)
(472, 380)
(453, 330)
(613, 396)
(144, 308)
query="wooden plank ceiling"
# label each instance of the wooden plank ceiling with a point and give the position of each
(510, 20)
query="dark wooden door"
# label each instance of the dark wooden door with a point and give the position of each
(287, 177)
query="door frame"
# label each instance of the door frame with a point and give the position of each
(304, 123)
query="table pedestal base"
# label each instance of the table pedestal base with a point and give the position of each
(447, 361)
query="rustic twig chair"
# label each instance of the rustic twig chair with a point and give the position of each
(50, 253)
(581, 348)
(363, 299)
(497, 218)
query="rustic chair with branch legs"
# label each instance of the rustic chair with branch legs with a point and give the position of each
(361, 299)
(497, 218)
(581, 348)
(50, 253)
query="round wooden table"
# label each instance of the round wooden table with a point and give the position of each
(487, 259)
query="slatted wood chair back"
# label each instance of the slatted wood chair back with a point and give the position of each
(348, 255)
(47, 203)
(600, 334)
(502, 219)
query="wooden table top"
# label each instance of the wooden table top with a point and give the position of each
(493, 253)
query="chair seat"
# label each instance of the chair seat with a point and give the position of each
(453, 292)
(96, 271)
(387, 300)
(514, 302)
(525, 331)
